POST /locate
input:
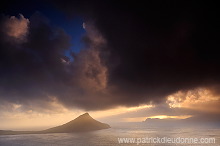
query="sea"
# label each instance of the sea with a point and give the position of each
(121, 135)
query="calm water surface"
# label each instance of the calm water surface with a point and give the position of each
(109, 137)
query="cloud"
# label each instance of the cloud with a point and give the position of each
(198, 99)
(92, 74)
(153, 50)
(37, 69)
(134, 53)
(15, 28)
(32, 70)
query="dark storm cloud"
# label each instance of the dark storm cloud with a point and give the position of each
(29, 69)
(135, 53)
(156, 47)
(35, 71)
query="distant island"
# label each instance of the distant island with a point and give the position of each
(83, 123)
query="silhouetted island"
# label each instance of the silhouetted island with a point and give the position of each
(83, 123)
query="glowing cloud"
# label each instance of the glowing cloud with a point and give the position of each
(16, 28)
(197, 99)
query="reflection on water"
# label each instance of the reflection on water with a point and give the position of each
(108, 137)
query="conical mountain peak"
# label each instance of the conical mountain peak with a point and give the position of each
(81, 124)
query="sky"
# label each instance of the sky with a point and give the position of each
(119, 61)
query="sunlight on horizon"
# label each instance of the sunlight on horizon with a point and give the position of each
(170, 117)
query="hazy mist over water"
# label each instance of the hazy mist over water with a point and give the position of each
(109, 137)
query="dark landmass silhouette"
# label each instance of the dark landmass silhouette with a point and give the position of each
(188, 122)
(83, 123)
